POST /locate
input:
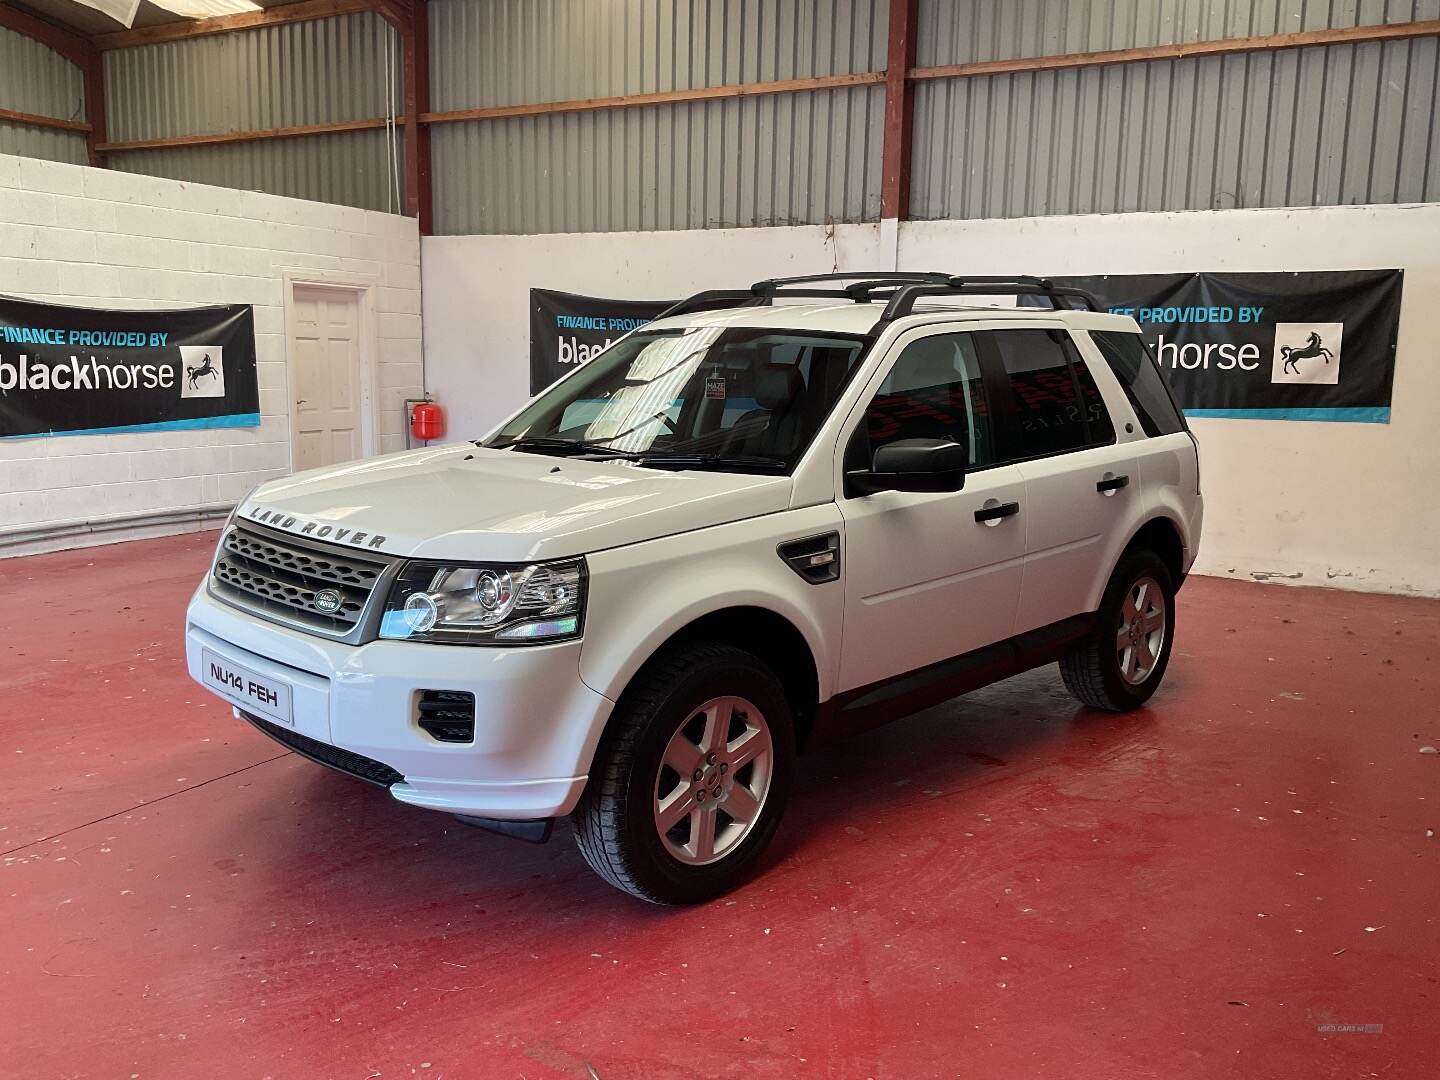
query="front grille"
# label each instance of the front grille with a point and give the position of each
(448, 715)
(270, 573)
(356, 765)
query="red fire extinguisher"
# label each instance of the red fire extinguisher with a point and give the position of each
(427, 421)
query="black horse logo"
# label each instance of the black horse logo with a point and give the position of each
(1312, 348)
(199, 371)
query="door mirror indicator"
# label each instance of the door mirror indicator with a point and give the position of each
(912, 465)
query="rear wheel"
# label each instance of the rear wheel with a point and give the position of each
(1120, 663)
(692, 777)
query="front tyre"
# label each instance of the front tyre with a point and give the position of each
(1120, 663)
(691, 778)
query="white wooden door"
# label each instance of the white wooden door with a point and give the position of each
(326, 354)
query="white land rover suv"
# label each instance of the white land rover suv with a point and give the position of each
(746, 527)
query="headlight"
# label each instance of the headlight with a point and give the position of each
(487, 605)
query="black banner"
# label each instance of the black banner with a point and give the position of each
(567, 330)
(71, 371)
(1313, 345)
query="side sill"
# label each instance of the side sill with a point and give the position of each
(880, 702)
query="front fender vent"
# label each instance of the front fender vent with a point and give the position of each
(814, 558)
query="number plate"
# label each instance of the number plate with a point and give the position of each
(254, 693)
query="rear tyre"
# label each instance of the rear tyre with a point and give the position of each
(1120, 663)
(691, 777)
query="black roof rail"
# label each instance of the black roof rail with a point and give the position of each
(931, 277)
(862, 288)
(900, 288)
(712, 300)
(902, 301)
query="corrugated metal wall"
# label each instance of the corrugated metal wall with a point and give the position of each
(514, 52)
(1324, 125)
(962, 31)
(776, 160)
(281, 76)
(33, 79)
(1320, 125)
(347, 168)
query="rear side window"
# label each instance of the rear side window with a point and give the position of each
(1144, 384)
(1058, 407)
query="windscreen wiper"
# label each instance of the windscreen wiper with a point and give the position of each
(565, 446)
(713, 461)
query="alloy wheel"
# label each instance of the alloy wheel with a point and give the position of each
(1141, 634)
(713, 780)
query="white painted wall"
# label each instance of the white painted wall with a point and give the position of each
(90, 237)
(1346, 505)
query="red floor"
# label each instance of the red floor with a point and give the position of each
(1005, 886)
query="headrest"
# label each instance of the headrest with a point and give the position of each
(777, 385)
(735, 358)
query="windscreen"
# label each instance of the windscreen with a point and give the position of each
(737, 397)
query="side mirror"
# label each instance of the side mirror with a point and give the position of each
(913, 465)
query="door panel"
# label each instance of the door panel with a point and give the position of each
(326, 352)
(1080, 483)
(924, 581)
(1069, 528)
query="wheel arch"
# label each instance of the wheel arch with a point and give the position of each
(765, 634)
(1161, 535)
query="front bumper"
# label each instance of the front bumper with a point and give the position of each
(536, 722)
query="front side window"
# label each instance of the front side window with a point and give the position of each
(742, 398)
(1058, 407)
(934, 391)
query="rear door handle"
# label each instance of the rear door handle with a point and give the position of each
(995, 513)
(1112, 483)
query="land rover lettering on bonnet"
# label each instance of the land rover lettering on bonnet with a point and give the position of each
(771, 516)
(320, 530)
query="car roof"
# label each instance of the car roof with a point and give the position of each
(844, 317)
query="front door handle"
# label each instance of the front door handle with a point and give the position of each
(996, 512)
(1112, 483)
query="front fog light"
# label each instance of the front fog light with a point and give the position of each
(478, 605)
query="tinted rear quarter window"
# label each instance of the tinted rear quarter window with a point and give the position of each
(1143, 383)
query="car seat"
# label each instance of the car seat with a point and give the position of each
(773, 429)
